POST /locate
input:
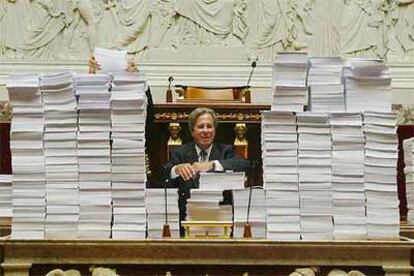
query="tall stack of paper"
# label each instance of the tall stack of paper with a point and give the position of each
(162, 207)
(348, 176)
(221, 181)
(129, 103)
(289, 82)
(94, 156)
(325, 84)
(366, 80)
(60, 144)
(204, 205)
(255, 216)
(380, 173)
(280, 174)
(314, 159)
(6, 195)
(28, 161)
(408, 148)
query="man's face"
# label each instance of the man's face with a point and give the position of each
(204, 131)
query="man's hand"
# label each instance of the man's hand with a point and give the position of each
(202, 166)
(185, 170)
(188, 171)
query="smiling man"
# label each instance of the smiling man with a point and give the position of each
(201, 155)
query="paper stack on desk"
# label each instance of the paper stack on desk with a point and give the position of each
(380, 174)
(203, 205)
(28, 160)
(221, 181)
(280, 175)
(94, 156)
(128, 116)
(348, 176)
(6, 195)
(408, 147)
(314, 160)
(289, 82)
(366, 80)
(60, 144)
(257, 214)
(155, 200)
(326, 91)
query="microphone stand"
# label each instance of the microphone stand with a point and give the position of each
(168, 97)
(247, 96)
(166, 231)
(247, 234)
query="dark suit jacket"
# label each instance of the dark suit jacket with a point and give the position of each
(224, 153)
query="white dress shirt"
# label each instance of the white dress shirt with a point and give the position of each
(217, 165)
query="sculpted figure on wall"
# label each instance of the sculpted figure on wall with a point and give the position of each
(70, 29)
(325, 36)
(401, 41)
(13, 15)
(302, 23)
(273, 28)
(53, 25)
(360, 28)
(175, 23)
(211, 22)
(108, 23)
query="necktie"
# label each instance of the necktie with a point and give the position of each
(203, 156)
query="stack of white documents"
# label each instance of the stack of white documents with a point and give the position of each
(280, 174)
(408, 148)
(94, 156)
(325, 84)
(6, 194)
(60, 144)
(279, 150)
(380, 173)
(289, 82)
(366, 80)
(221, 181)
(314, 159)
(256, 216)
(203, 205)
(128, 116)
(28, 161)
(162, 207)
(348, 176)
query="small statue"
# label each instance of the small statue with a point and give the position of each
(175, 130)
(60, 272)
(102, 271)
(240, 130)
(306, 271)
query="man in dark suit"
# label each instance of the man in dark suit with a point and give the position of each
(201, 155)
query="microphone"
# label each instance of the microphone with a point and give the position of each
(246, 92)
(170, 80)
(247, 233)
(253, 65)
(166, 231)
(168, 97)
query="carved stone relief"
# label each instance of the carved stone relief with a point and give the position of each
(69, 30)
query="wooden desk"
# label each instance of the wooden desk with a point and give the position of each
(393, 258)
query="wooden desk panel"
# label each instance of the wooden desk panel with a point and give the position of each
(393, 257)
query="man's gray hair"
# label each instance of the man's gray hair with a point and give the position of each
(192, 118)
